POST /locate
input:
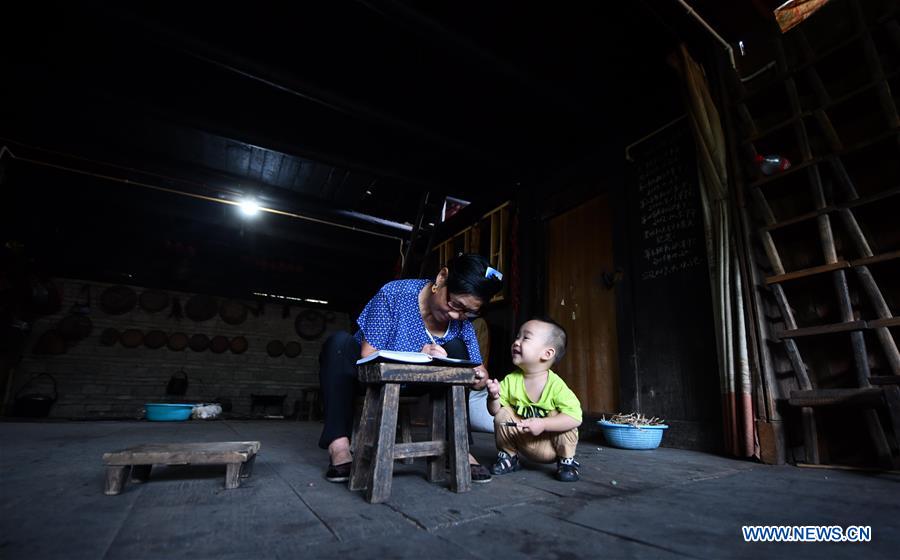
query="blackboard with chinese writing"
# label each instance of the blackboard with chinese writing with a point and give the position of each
(676, 375)
(670, 239)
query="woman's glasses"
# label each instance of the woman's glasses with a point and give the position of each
(461, 309)
(457, 307)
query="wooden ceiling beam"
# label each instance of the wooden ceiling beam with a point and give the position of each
(287, 82)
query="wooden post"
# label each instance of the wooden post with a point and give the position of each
(435, 472)
(115, 479)
(460, 475)
(834, 141)
(232, 476)
(378, 487)
(784, 307)
(247, 468)
(405, 430)
(807, 414)
(827, 239)
(365, 436)
(861, 362)
(883, 311)
(855, 232)
(772, 253)
(843, 178)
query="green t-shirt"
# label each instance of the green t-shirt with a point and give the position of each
(556, 396)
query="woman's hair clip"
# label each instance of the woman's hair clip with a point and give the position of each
(492, 272)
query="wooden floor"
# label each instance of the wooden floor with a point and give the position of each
(665, 503)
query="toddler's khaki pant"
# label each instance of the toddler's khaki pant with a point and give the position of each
(545, 448)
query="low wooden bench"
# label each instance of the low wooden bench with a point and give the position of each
(238, 456)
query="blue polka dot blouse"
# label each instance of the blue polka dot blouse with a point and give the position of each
(391, 321)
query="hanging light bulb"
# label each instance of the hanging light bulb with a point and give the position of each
(249, 207)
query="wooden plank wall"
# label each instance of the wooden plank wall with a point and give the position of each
(580, 253)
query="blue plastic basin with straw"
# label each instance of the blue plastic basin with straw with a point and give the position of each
(632, 437)
(164, 412)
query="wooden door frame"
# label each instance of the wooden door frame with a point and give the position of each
(574, 186)
(565, 202)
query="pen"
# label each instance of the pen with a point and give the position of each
(510, 424)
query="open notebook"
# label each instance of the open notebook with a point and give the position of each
(413, 358)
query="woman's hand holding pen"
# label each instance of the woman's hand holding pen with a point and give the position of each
(434, 350)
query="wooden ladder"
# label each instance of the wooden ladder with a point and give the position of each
(863, 395)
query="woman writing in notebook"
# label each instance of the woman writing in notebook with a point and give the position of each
(418, 315)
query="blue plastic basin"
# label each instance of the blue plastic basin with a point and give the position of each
(631, 437)
(164, 412)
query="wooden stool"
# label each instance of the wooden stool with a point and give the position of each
(238, 456)
(309, 397)
(376, 447)
(404, 423)
(266, 401)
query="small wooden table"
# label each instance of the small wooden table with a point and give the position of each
(238, 456)
(310, 395)
(377, 449)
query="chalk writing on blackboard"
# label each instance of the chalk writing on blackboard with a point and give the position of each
(669, 211)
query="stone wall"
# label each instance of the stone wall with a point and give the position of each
(98, 381)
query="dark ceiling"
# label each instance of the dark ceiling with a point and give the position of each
(332, 110)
